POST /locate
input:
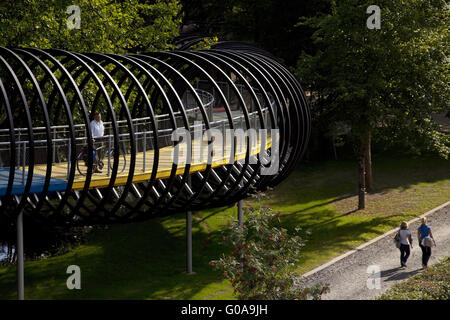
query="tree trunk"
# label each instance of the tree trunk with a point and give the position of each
(334, 149)
(9, 255)
(368, 160)
(362, 183)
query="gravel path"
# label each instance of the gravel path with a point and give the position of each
(348, 278)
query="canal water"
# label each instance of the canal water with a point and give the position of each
(3, 251)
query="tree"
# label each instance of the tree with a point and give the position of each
(383, 83)
(264, 254)
(105, 26)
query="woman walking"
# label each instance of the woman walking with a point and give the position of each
(425, 236)
(405, 241)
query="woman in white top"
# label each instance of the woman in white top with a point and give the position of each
(405, 242)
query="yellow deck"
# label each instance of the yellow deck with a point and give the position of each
(166, 159)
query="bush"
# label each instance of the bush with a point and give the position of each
(262, 258)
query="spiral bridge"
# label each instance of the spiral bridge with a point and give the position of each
(182, 130)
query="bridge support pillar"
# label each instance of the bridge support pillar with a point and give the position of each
(189, 242)
(240, 206)
(20, 257)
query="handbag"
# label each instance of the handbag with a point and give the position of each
(427, 242)
(397, 240)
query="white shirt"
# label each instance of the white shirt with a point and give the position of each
(97, 129)
(404, 234)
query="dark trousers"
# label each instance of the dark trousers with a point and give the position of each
(98, 144)
(426, 254)
(404, 253)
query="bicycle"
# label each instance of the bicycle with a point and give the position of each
(82, 160)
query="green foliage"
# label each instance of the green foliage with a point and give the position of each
(263, 256)
(106, 26)
(387, 81)
(205, 44)
(430, 284)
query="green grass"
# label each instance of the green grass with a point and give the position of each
(430, 284)
(146, 260)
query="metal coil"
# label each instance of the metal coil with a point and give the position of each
(48, 97)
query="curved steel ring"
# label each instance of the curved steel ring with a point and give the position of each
(182, 130)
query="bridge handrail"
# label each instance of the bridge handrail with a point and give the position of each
(214, 123)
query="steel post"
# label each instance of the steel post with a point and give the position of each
(20, 258)
(240, 212)
(189, 242)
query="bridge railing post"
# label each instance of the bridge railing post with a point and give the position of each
(109, 153)
(18, 152)
(69, 155)
(144, 149)
(54, 145)
(223, 139)
(24, 155)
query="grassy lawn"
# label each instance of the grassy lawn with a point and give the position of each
(146, 260)
(430, 284)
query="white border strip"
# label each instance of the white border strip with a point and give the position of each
(371, 242)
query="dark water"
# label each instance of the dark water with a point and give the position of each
(3, 250)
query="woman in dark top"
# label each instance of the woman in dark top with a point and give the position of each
(422, 232)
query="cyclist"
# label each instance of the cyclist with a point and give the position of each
(98, 131)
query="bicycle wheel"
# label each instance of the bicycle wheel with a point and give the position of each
(82, 164)
(122, 161)
(61, 154)
(79, 160)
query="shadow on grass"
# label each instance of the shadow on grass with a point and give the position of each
(146, 264)
(339, 179)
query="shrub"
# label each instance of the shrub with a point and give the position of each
(262, 258)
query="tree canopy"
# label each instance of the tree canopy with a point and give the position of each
(105, 26)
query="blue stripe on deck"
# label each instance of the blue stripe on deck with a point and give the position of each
(37, 184)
